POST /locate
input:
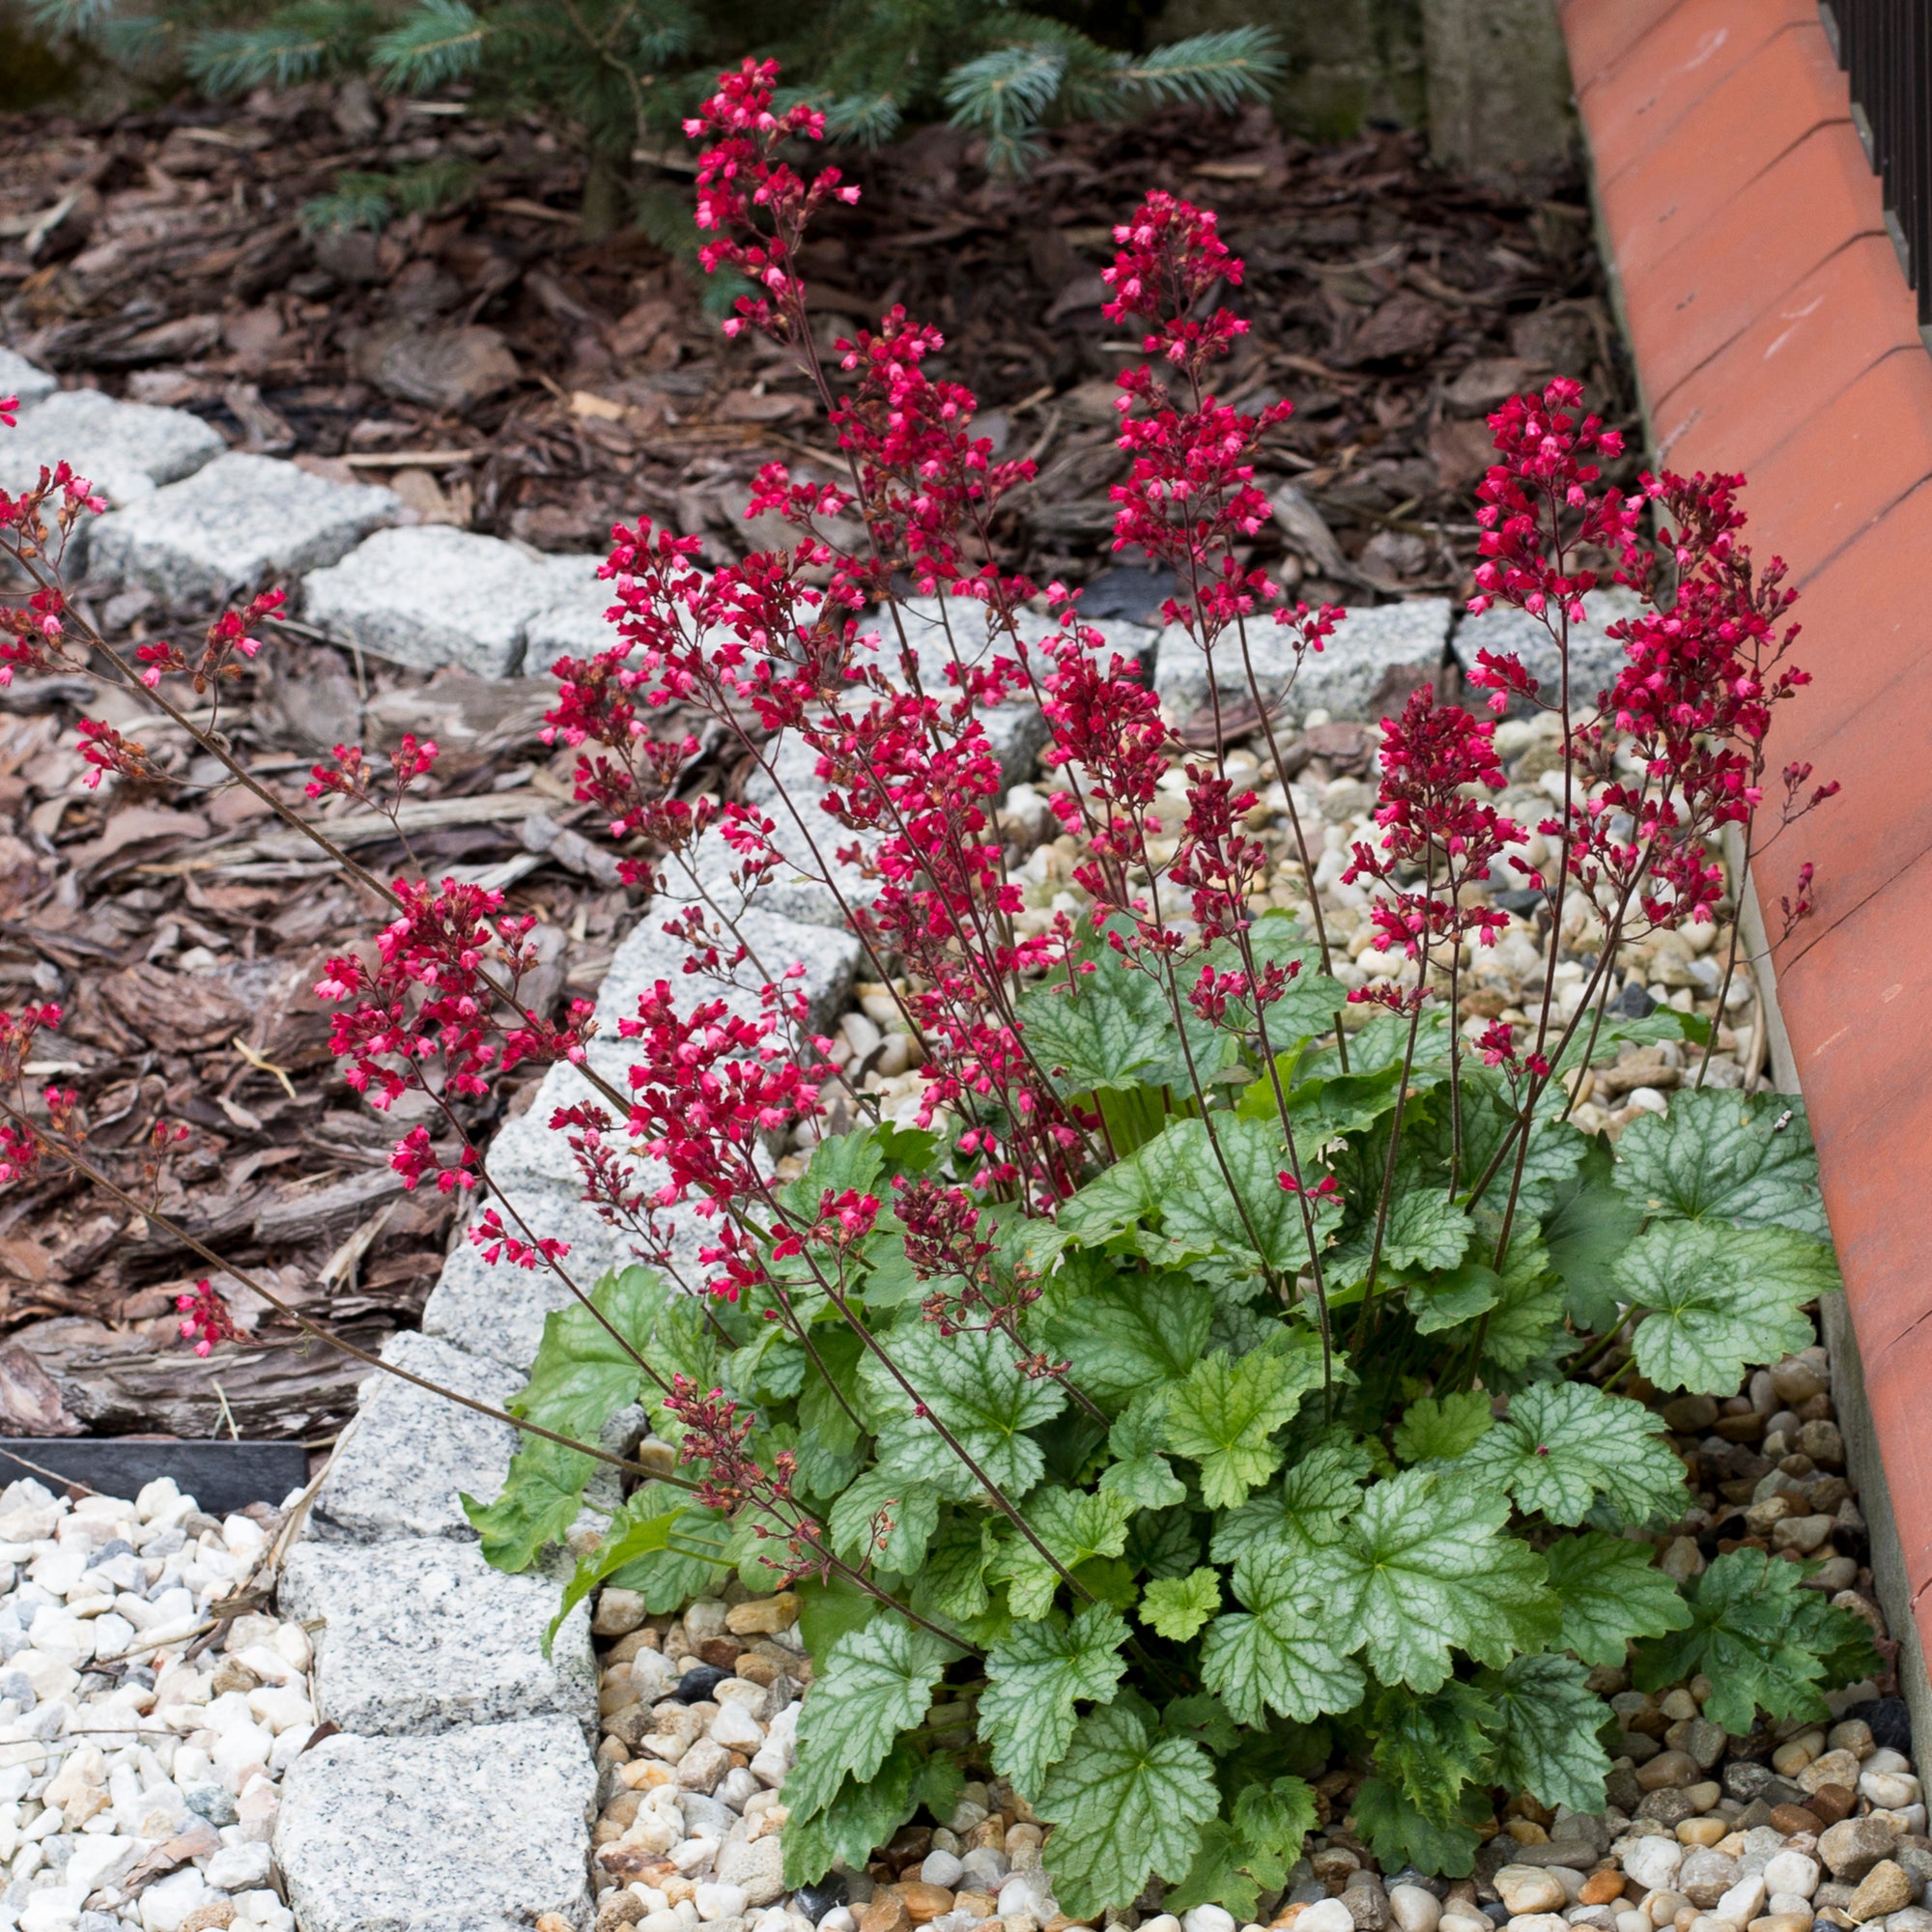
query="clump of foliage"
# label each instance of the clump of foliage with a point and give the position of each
(1212, 1379)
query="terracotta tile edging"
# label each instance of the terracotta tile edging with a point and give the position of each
(1706, 316)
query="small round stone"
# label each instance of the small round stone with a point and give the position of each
(824, 1896)
(1887, 1888)
(697, 1683)
(1414, 1909)
(1530, 1890)
(1327, 1915)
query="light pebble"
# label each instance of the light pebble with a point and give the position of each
(1326, 1915)
(1414, 1909)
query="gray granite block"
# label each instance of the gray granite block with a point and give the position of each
(572, 621)
(127, 450)
(953, 633)
(27, 382)
(808, 886)
(498, 1310)
(1595, 660)
(412, 1451)
(432, 596)
(484, 1829)
(1343, 678)
(831, 959)
(237, 523)
(422, 1636)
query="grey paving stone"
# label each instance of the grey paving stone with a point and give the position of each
(571, 624)
(1343, 678)
(830, 958)
(498, 1310)
(955, 632)
(484, 1829)
(127, 450)
(422, 1636)
(234, 523)
(808, 886)
(432, 596)
(1595, 660)
(412, 1452)
(27, 382)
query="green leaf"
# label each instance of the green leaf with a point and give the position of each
(1034, 1679)
(1840, 1641)
(1446, 1300)
(852, 1161)
(1140, 1472)
(1289, 1654)
(870, 1685)
(859, 1817)
(875, 1685)
(1177, 1607)
(1400, 1834)
(1425, 1229)
(1075, 1525)
(1432, 1748)
(1611, 1591)
(1126, 1806)
(1196, 1208)
(1728, 1157)
(1720, 1298)
(1309, 1003)
(969, 1384)
(638, 1530)
(1272, 1820)
(1204, 1720)
(690, 1564)
(1323, 1107)
(1564, 1444)
(1122, 1330)
(1118, 1198)
(542, 1494)
(1425, 1569)
(1216, 1876)
(1222, 1416)
(1488, 1114)
(829, 1438)
(1108, 1028)
(832, 1607)
(1440, 1428)
(1251, 1853)
(1759, 1637)
(909, 1512)
(1546, 1732)
(1592, 1222)
(583, 1374)
(939, 1784)
(1303, 1512)
(1521, 1328)
(1162, 1543)
(952, 1583)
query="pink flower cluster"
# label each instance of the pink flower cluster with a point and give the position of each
(1434, 758)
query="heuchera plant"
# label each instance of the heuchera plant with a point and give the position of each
(1213, 1381)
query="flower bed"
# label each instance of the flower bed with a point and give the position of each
(1203, 1381)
